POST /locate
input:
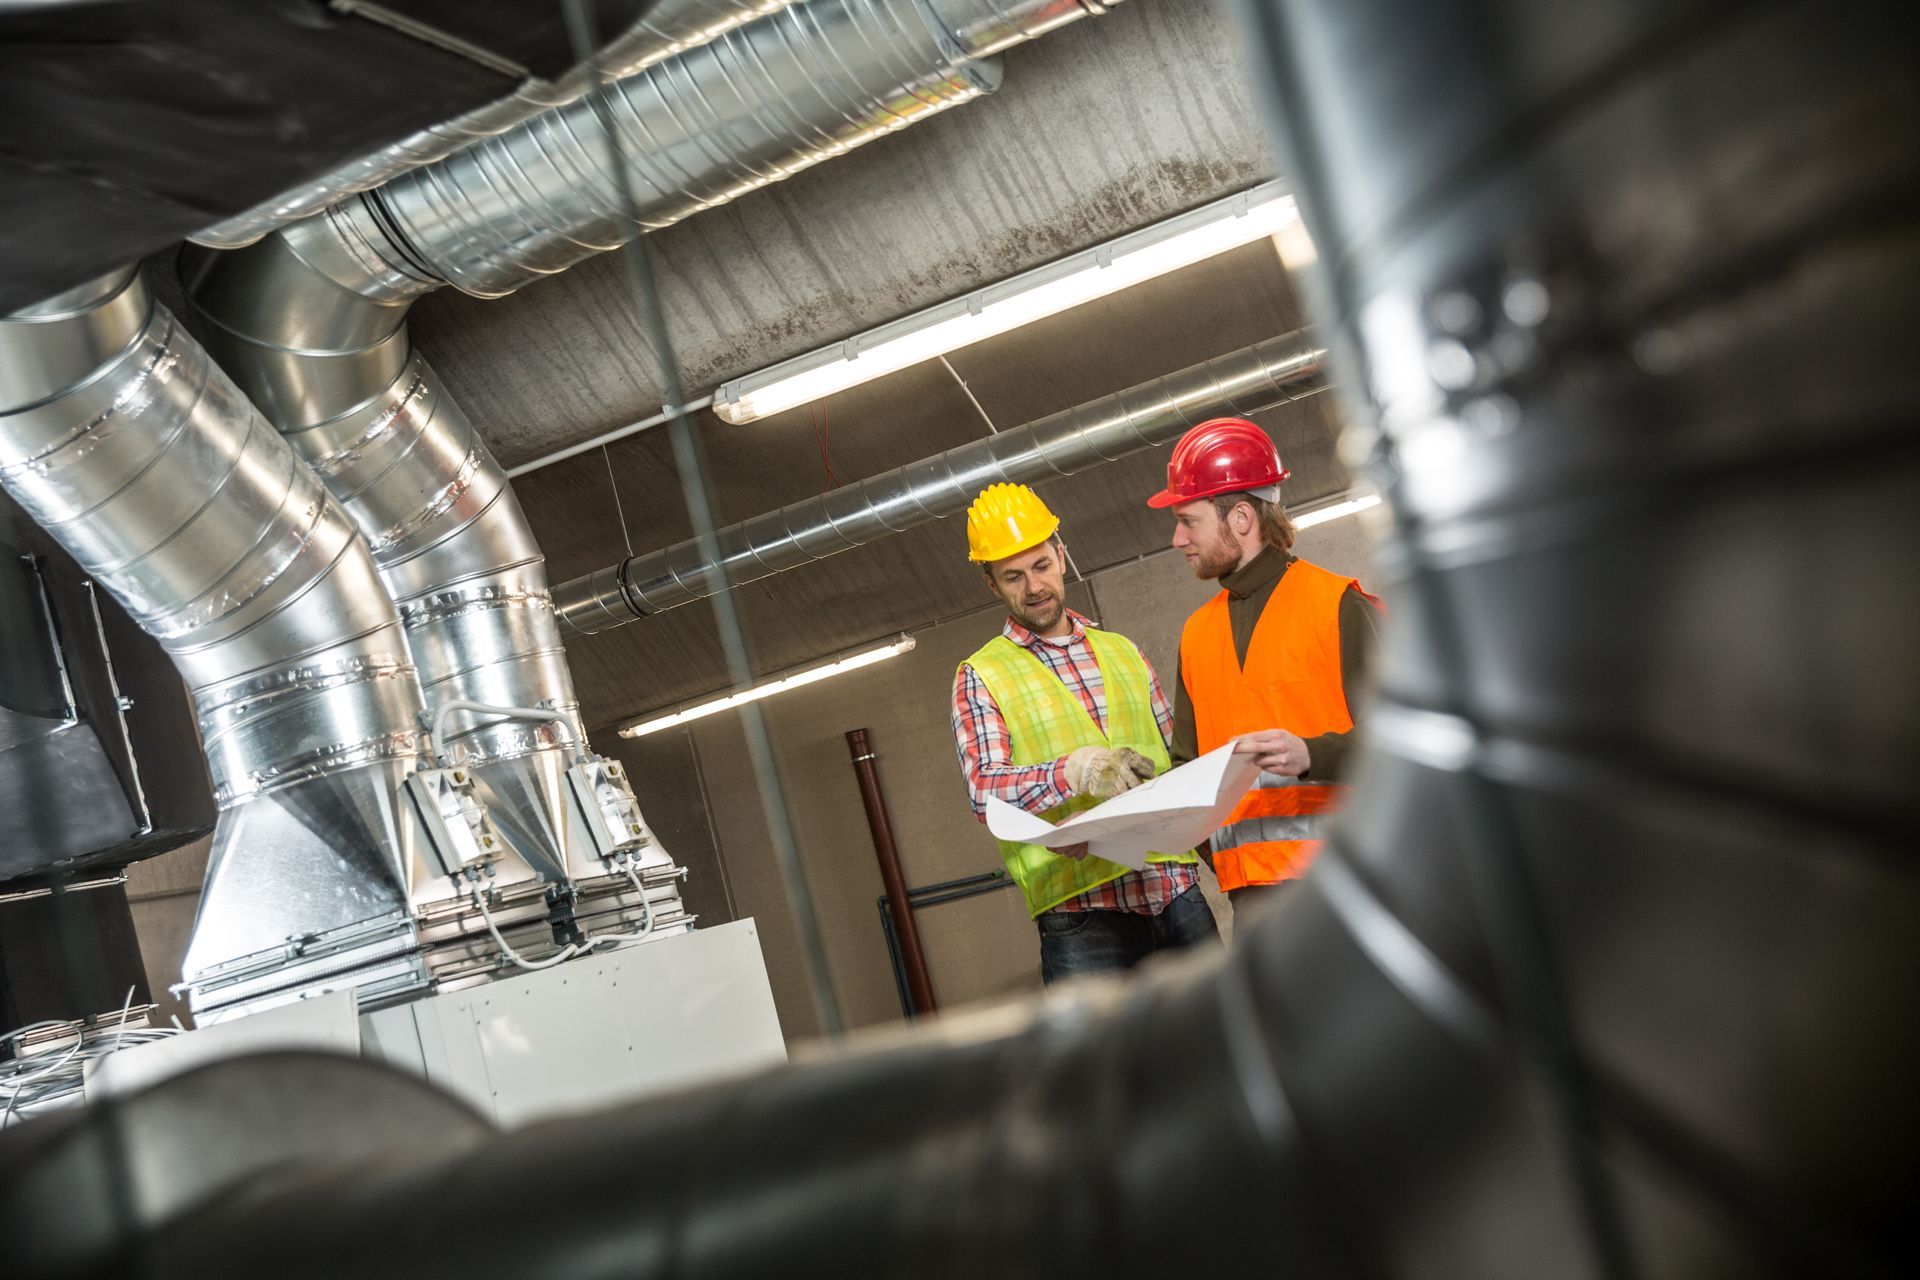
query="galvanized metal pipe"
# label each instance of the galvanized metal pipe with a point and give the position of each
(119, 435)
(311, 321)
(670, 27)
(336, 373)
(755, 105)
(1266, 374)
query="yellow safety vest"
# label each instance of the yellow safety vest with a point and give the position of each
(1046, 720)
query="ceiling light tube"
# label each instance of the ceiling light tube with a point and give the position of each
(1256, 214)
(853, 662)
(1321, 515)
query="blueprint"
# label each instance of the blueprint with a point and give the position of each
(1173, 813)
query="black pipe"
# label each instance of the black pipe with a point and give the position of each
(913, 959)
(988, 879)
(932, 895)
(893, 958)
(1624, 297)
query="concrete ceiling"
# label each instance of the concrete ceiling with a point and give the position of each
(1103, 127)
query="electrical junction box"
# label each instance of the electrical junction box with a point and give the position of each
(605, 807)
(459, 832)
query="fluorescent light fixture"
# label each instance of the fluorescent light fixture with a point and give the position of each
(1264, 211)
(1295, 246)
(866, 658)
(1321, 515)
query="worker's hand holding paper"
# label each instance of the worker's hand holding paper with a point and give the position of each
(1170, 814)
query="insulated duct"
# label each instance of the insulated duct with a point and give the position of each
(311, 322)
(669, 27)
(120, 437)
(1260, 377)
(1606, 970)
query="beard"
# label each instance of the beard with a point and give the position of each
(1038, 617)
(1216, 561)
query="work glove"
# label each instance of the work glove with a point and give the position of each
(1105, 771)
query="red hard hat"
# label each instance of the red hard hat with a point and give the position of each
(1222, 455)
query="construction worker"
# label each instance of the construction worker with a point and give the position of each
(1054, 715)
(1272, 663)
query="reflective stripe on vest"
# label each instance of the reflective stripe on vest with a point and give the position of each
(1046, 720)
(1268, 830)
(1292, 681)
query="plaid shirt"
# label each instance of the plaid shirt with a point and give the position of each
(980, 734)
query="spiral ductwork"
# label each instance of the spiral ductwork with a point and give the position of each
(337, 375)
(669, 27)
(1265, 375)
(119, 436)
(753, 106)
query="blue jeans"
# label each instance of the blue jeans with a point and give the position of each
(1073, 943)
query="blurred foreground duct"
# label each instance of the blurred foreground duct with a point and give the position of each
(1607, 971)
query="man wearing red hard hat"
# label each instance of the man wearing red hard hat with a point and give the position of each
(1273, 662)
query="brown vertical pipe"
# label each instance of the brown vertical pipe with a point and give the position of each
(919, 985)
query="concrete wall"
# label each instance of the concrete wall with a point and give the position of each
(164, 893)
(977, 949)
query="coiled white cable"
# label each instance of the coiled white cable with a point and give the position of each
(25, 1083)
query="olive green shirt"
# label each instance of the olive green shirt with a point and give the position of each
(1248, 589)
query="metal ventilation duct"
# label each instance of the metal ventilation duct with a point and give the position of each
(311, 320)
(120, 437)
(1264, 375)
(338, 376)
(752, 107)
(669, 27)
(1607, 971)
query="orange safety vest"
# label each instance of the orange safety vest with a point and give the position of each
(1291, 681)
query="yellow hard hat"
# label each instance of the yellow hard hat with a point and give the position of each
(1005, 520)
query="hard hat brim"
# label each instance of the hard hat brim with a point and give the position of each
(1168, 498)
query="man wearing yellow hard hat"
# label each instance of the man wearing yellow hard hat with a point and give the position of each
(1054, 715)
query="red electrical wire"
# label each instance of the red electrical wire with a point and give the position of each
(823, 436)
